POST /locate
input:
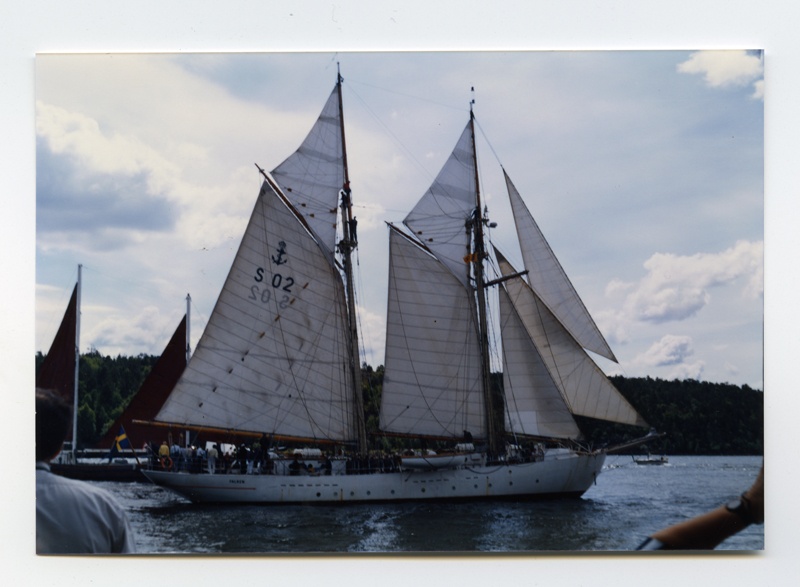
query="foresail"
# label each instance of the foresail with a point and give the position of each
(582, 384)
(274, 355)
(313, 176)
(438, 218)
(432, 382)
(550, 282)
(534, 405)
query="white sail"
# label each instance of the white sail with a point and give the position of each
(550, 282)
(438, 218)
(582, 384)
(534, 404)
(432, 382)
(313, 176)
(273, 357)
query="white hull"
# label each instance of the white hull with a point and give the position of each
(567, 476)
(443, 461)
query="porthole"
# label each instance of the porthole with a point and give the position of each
(319, 494)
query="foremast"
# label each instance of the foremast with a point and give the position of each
(346, 247)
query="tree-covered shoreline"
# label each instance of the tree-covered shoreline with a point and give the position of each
(697, 417)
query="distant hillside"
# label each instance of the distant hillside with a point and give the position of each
(699, 418)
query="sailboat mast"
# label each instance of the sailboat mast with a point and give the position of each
(77, 365)
(188, 327)
(346, 246)
(478, 256)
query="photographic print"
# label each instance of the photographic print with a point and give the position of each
(456, 301)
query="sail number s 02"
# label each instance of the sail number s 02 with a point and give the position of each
(262, 292)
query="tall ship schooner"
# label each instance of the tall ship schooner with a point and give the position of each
(279, 358)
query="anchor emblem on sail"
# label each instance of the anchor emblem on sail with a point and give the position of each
(279, 260)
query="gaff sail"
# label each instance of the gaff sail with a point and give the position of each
(433, 385)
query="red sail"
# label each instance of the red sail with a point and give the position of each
(57, 371)
(152, 394)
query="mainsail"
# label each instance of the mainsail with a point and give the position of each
(276, 355)
(433, 386)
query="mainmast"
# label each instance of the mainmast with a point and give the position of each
(346, 246)
(475, 226)
(77, 365)
(188, 327)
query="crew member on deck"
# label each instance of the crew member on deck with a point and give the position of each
(296, 466)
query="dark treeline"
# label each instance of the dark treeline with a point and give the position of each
(698, 417)
(105, 386)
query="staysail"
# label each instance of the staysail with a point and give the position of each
(550, 282)
(535, 405)
(581, 383)
(432, 383)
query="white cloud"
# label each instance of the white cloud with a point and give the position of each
(209, 212)
(673, 351)
(687, 371)
(758, 92)
(372, 325)
(614, 326)
(124, 334)
(670, 350)
(678, 287)
(723, 69)
(79, 135)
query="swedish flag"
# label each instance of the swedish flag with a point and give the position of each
(120, 442)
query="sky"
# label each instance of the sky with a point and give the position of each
(644, 169)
